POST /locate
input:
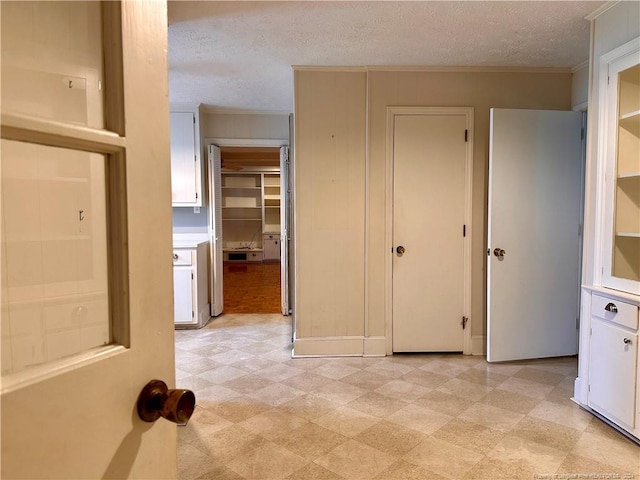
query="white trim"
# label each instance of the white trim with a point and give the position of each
(327, 68)
(374, 347)
(478, 344)
(472, 69)
(580, 66)
(246, 142)
(328, 347)
(392, 112)
(600, 10)
(414, 68)
(239, 111)
(580, 107)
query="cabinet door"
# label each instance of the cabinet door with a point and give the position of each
(183, 295)
(612, 372)
(184, 165)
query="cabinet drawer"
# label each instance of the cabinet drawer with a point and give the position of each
(615, 311)
(182, 257)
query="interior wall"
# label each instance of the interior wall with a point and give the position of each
(245, 125)
(611, 29)
(329, 193)
(341, 189)
(481, 90)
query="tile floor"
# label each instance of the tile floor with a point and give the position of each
(262, 415)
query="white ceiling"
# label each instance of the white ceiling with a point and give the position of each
(238, 55)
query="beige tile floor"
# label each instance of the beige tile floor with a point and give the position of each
(262, 415)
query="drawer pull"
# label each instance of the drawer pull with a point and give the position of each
(611, 307)
(627, 341)
(175, 256)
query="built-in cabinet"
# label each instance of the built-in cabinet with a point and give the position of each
(190, 292)
(250, 215)
(608, 380)
(187, 172)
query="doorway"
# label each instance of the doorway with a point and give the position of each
(430, 171)
(249, 197)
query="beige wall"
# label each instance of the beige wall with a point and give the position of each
(322, 102)
(329, 195)
(245, 126)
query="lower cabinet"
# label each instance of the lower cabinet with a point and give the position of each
(271, 246)
(190, 292)
(613, 361)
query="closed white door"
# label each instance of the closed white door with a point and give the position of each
(86, 281)
(429, 161)
(183, 303)
(183, 158)
(534, 213)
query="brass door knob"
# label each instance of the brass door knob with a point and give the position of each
(400, 250)
(499, 252)
(611, 307)
(157, 400)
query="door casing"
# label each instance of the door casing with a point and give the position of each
(392, 113)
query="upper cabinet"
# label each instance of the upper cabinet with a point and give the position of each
(620, 140)
(187, 167)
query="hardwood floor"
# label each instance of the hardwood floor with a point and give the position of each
(251, 287)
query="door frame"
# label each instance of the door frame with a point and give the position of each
(392, 113)
(257, 142)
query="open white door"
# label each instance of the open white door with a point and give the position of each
(215, 230)
(533, 239)
(87, 317)
(284, 229)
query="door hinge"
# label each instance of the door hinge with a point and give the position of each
(464, 322)
(193, 315)
(466, 135)
(464, 230)
(191, 275)
(582, 134)
(196, 195)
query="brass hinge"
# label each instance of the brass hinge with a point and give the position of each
(191, 275)
(466, 135)
(193, 315)
(464, 230)
(464, 322)
(196, 195)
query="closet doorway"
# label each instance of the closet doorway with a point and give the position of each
(249, 238)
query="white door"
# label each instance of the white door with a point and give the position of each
(429, 163)
(533, 234)
(215, 230)
(86, 276)
(183, 288)
(284, 229)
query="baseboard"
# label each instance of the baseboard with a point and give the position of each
(328, 347)
(478, 344)
(374, 346)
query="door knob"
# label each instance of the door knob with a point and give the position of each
(400, 250)
(157, 400)
(611, 307)
(627, 341)
(499, 252)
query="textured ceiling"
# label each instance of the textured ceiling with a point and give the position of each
(238, 55)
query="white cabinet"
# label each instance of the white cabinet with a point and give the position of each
(186, 163)
(271, 245)
(613, 362)
(608, 369)
(190, 292)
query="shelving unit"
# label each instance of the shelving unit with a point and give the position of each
(626, 215)
(250, 208)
